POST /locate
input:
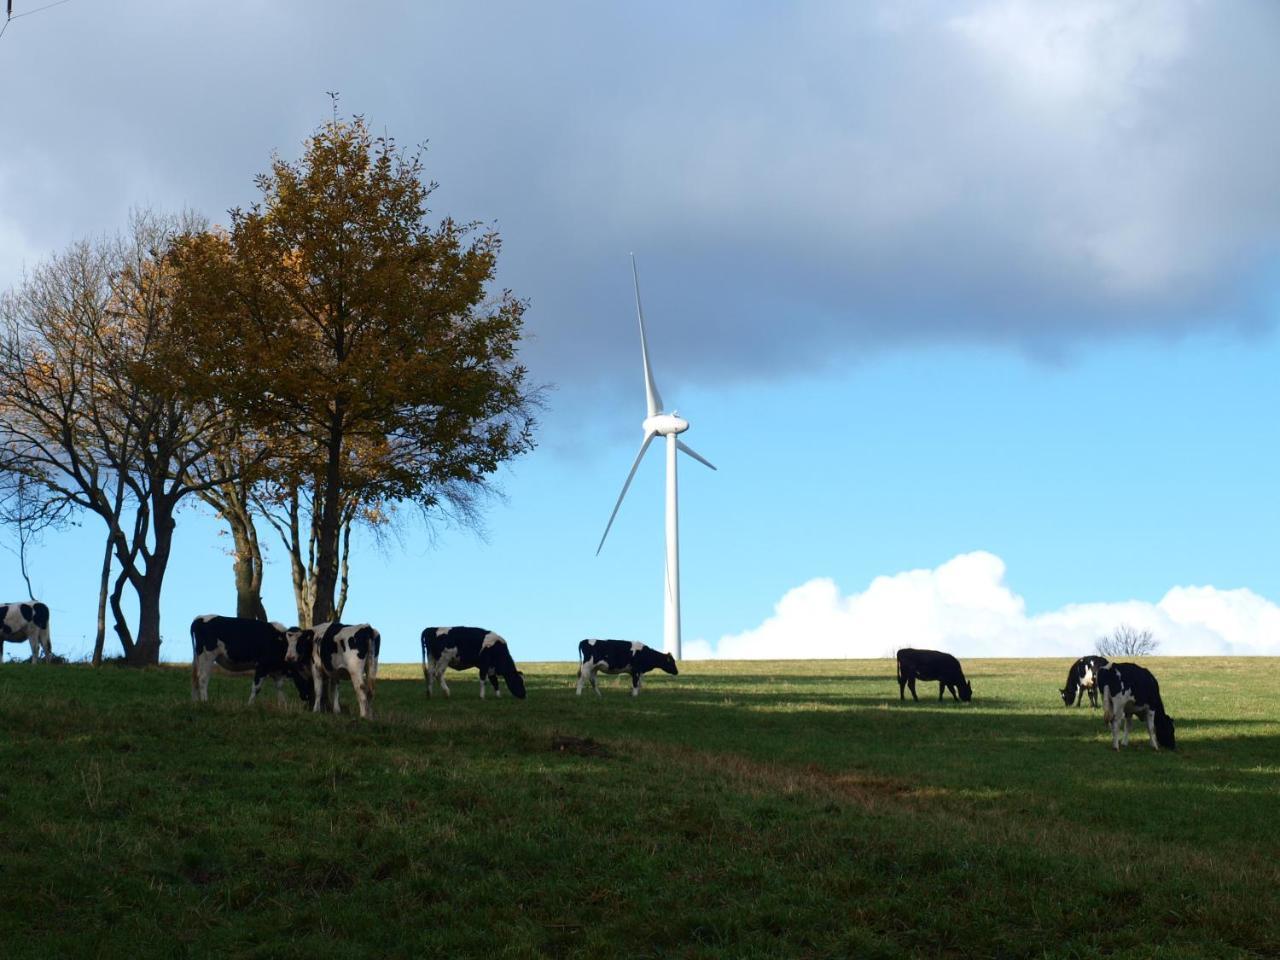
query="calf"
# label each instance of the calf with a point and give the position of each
(241, 645)
(1129, 690)
(463, 648)
(916, 665)
(1083, 676)
(335, 650)
(620, 656)
(26, 621)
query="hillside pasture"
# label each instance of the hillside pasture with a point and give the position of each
(783, 809)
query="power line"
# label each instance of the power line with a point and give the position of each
(10, 16)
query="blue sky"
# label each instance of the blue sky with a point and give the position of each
(973, 305)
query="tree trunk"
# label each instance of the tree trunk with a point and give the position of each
(329, 526)
(101, 637)
(146, 650)
(248, 568)
(121, 625)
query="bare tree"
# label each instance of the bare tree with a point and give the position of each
(1127, 641)
(93, 411)
(28, 513)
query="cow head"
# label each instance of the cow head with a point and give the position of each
(1068, 696)
(515, 682)
(965, 689)
(298, 643)
(668, 665)
(1164, 731)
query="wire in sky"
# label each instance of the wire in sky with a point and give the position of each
(26, 13)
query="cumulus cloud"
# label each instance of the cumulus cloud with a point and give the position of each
(966, 607)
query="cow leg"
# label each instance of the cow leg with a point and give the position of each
(317, 687)
(595, 672)
(1115, 731)
(334, 706)
(1151, 728)
(911, 684)
(203, 667)
(497, 690)
(441, 667)
(280, 690)
(35, 647)
(355, 670)
(1128, 720)
(635, 684)
(254, 687)
(582, 676)
(483, 684)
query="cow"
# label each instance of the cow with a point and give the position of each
(241, 645)
(463, 648)
(620, 656)
(335, 650)
(1129, 690)
(1083, 676)
(26, 621)
(916, 665)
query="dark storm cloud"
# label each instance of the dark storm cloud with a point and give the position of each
(800, 187)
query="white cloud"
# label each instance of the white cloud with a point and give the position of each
(966, 607)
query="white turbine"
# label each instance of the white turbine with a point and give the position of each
(669, 425)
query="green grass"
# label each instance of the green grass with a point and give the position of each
(740, 810)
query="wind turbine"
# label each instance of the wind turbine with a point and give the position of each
(669, 425)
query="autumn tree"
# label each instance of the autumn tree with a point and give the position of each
(92, 412)
(366, 339)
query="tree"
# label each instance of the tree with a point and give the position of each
(92, 412)
(1127, 641)
(366, 339)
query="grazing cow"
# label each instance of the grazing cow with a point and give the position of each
(241, 645)
(336, 650)
(26, 621)
(916, 665)
(1082, 677)
(1129, 690)
(620, 656)
(463, 648)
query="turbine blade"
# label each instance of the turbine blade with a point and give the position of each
(693, 453)
(650, 388)
(648, 438)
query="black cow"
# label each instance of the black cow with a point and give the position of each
(463, 648)
(1083, 676)
(26, 621)
(336, 650)
(241, 645)
(1129, 690)
(620, 656)
(916, 665)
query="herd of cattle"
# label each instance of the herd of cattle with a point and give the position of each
(315, 659)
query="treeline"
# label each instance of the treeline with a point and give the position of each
(329, 358)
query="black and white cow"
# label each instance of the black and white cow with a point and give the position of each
(1129, 690)
(916, 665)
(1082, 677)
(620, 656)
(26, 621)
(240, 645)
(463, 648)
(336, 650)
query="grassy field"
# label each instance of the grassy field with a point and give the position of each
(739, 810)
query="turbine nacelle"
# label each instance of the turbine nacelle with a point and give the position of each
(664, 424)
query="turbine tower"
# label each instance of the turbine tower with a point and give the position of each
(669, 425)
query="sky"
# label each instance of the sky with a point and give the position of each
(972, 304)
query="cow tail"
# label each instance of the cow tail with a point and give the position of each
(195, 674)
